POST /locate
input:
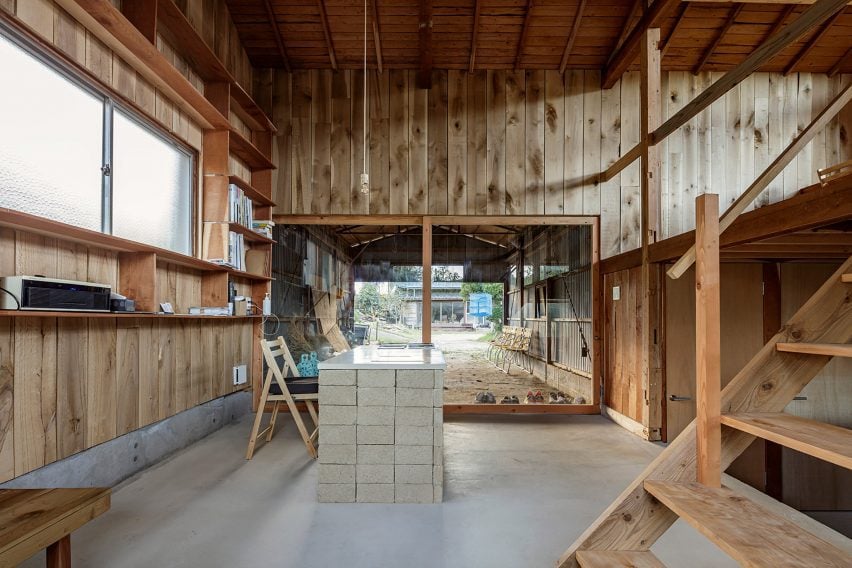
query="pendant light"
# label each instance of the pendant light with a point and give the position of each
(365, 178)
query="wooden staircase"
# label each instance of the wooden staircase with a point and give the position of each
(752, 405)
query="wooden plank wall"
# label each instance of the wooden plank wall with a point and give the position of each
(67, 384)
(501, 142)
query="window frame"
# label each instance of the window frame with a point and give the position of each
(57, 61)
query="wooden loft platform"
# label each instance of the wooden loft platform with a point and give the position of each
(783, 230)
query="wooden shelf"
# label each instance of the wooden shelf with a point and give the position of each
(62, 314)
(251, 192)
(54, 229)
(749, 533)
(618, 559)
(824, 441)
(830, 349)
(109, 25)
(178, 31)
(242, 147)
(247, 275)
(249, 234)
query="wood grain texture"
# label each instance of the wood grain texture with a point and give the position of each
(824, 441)
(7, 393)
(747, 532)
(72, 361)
(617, 559)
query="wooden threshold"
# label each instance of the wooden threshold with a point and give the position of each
(459, 409)
(618, 559)
(824, 441)
(748, 533)
(830, 349)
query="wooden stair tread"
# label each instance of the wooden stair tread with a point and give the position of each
(618, 559)
(831, 349)
(750, 534)
(825, 441)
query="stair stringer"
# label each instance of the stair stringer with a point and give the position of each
(767, 383)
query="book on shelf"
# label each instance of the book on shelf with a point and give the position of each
(240, 207)
(263, 227)
(237, 250)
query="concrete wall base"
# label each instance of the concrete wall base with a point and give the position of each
(110, 463)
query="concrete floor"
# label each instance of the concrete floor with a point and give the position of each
(518, 490)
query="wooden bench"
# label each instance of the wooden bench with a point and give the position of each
(34, 519)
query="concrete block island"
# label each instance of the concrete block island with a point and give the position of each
(381, 425)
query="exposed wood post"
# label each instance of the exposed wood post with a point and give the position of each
(708, 388)
(769, 174)
(424, 72)
(597, 314)
(276, 33)
(377, 35)
(426, 327)
(474, 36)
(650, 310)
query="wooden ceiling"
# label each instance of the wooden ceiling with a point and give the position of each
(527, 34)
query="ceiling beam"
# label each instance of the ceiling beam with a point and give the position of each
(424, 72)
(836, 67)
(817, 37)
(684, 6)
(779, 23)
(810, 18)
(473, 38)
(629, 51)
(377, 35)
(638, 5)
(572, 37)
(524, 34)
(327, 32)
(732, 18)
(276, 33)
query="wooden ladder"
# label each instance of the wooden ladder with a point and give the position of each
(751, 405)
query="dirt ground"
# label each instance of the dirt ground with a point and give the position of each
(469, 371)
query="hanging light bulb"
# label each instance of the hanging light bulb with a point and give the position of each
(365, 178)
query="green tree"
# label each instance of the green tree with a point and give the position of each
(368, 300)
(445, 274)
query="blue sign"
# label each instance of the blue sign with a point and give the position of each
(479, 305)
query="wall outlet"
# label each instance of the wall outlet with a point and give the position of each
(240, 375)
(616, 293)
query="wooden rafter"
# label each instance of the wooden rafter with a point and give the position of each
(572, 37)
(779, 23)
(524, 34)
(377, 34)
(629, 51)
(810, 18)
(732, 18)
(836, 67)
(424, 72)
(276, 33)
(803, 53)
(327, 33)
(638, 6)
(473, 37)
(684, 6)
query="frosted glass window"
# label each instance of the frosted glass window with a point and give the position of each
(51, 142)
(151, 187)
